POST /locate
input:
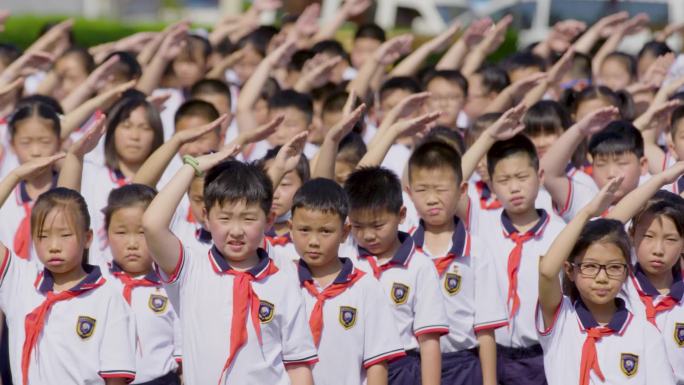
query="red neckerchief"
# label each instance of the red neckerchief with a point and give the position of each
(130, 283)
(487, 201)
(345, 279)
(401, 258)
(460, 244)
(35, 320)
(647, 293)
(22, 238)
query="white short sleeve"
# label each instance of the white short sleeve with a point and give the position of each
(549, 336)
(490, 308)
(381, 340)
(658, 368)
(297, 342)
(429, 314)
(117, 353)
(579, 195)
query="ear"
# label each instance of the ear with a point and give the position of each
(270, 219)
(88, 238)
(289, 225)
(567, 267)
(462, 190)
(346, 229)
(671, 147)
(540, 175)
(402, 214)
(643, 165)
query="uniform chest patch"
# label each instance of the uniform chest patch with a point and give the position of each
(85, 326)
(400, 293)
(347, 317)
(452, 283)
(266, 312)
(629, 364)
(679, 334)
(157, 303)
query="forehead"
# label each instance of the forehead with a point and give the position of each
(366, 42)
(236, 207)
(128, 214)
(616, 156)
(444, 84)
(392, 97)
(34, 125)
(655, 222)
(513, 163)
(291, 113)
(603, 252)
(371, 215)
(433, 175)
(191, 121)
(306, 215)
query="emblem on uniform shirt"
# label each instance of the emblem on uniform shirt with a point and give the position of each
(157, 303)
(629, 364)
(266, 311)
(679, 333)
(452, 283)
(399, 293)
(85, 326)
(347, 316)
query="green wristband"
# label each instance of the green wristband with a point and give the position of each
(192, 162)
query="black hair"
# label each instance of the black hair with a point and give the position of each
(663, 203)
(131, 195)
(403, 83)
(270, 89)
(196, 107)
(452, 76)
(626, 60)
(446, 135)
(211, 86)
(44, 99)
(619, 136)
(331, 47)
(335, 101)
(303, 171)
(519, 144)
(48, 26)
(291, 98)
(546, 117)
(494, 78)
(654, 48)
(127, 66)
(677, 116)
(121, 111)
(597, 231)
(581, 66)
(299, 58)
(620, 99)
(435, 155)
(524, 59)
(352, 148)
(324, 195)
(203, 42)
(259, 39)
(9, 53)
(83, 56)
(233, 181)
(375, 189)
(370, 31)
(478, 126)
(35, 108)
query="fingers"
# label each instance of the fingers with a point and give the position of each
(210, 126)
(349, 104)
(354, 116)
(273, 124)
(296, 144)
(614, 184)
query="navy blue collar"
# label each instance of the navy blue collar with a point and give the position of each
(537, 229)
(343, 276)
(402, 256)
(203, 235)
(45, 283)
(459, 238)
(24, 196)
(618, 323)
(676, 290)
(115, 269)
(680, 185)
(221, 264)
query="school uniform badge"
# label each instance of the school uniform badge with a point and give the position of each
(679, 334)
(347, 317)
(266, 312)
(629, 364)
(452, 283)
(399, 293)
(157, 303)
(85, 326)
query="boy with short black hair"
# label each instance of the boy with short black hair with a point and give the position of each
(474, 308)
(367, 40)
(275, 346)
(297, 108)
(407, 276)
(350, 319)
(483, 87)
(448, 93)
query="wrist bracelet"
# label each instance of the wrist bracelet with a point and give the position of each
(192, 162)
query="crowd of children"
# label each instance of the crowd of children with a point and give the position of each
(265, 205)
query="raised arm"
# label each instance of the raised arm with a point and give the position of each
(492, 40)
(410, 65)
(324, 166)
(72, 170)
(86, 89)
(560, 38)
(652, 123)
(287, 158)
(162, 242)
(550, 265)
(454, 56)
(517, 92)
(586, 42)
(558, 156)
(628, 27)
(153, 168)
(170, 47)
(315, 73)
(385, 55)
(348, 10)
(637, 198)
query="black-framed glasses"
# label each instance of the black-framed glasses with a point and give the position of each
(592, 269)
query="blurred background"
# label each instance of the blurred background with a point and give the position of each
(103, 20)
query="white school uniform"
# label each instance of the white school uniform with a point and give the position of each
(473, 300)
(411, 286)
(193, 235)
(633, 354)
(670, 322)
(206, 323)
(84, 340)
(396, 159)
(282, 245)
(156, 324)
(520, 332)
(580, 193)
(358, 327)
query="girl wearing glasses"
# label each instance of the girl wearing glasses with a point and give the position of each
(587, 333)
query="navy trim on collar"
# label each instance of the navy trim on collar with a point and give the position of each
(23, 192)
(343, 276)
(617, 323)
(93, 275)
(459, 237)
(152, 276)
(224, 267)
(203, 235)
(676, 290)
(271, 232)
(680, 185)
(402, 256)
(536, 229)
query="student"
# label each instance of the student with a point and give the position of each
(69, 71)
(593, 98)
(350, 319)
(217, 93)
(68, 323)
(588, 334)
(470, 295)
(523, 64)
(616, 149)
(448, 93)
(34, 131)
(408, 278)
(618, 70)
(275, 346)
(350, 152)
(297, 108)
(367, 40)
(483, 87)
(156, 323)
